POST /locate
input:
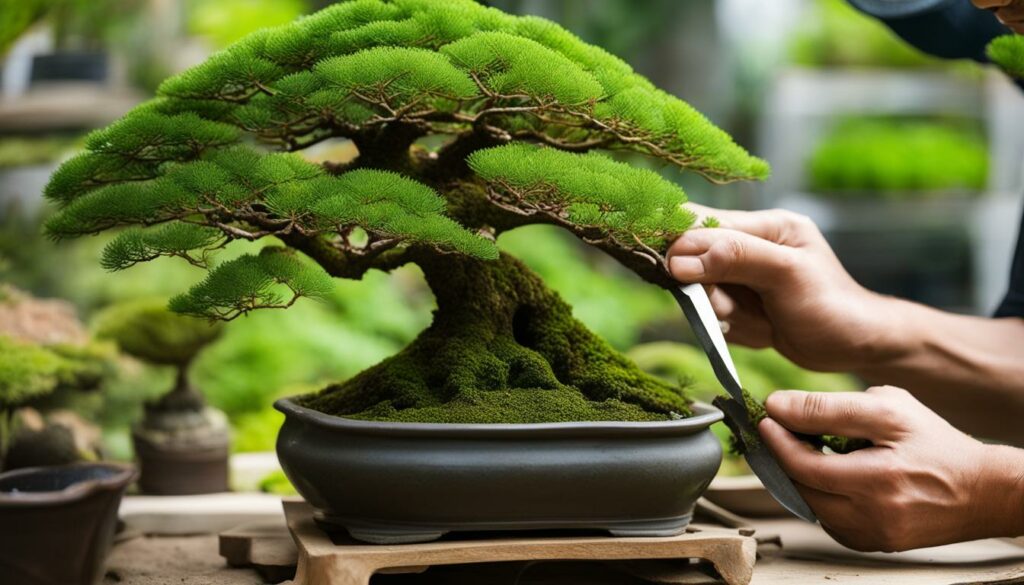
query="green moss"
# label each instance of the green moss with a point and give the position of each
(741, 441)
(276, 482)
(28, 371)
(502, 348)
(148, 330)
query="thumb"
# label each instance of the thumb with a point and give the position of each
(719, 255)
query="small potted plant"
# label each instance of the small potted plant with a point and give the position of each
(81, 31)
(506, 412)
(181, 443)
(65, 512)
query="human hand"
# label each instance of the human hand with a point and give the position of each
(923, 483)
(1009, 12)
(778, 283)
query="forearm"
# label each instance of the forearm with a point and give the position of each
(968, 369)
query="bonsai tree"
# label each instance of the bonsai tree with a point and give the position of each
(468, 123)
(147, 330)
(30, 372)
(44, 350)
(181, 444)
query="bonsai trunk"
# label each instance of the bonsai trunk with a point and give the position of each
(502, 348)
(182, 397)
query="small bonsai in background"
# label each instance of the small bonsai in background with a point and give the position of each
(178, 429)
(468, 122)
(29, 373)
(46, 357)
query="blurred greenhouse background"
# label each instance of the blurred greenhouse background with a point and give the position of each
(910, 165)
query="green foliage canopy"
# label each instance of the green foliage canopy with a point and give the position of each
(183, 172)
(146, 329)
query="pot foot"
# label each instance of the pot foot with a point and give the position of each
(394, 537)
(651, 529)
(374, 533)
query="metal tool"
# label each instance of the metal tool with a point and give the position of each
(695, 304)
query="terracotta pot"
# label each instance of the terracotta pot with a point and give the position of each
(178, 470)
(182, 451)
(57, 523)
(387, 482)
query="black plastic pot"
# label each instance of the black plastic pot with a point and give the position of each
(388, 482)
(70, 66)
(57, 523)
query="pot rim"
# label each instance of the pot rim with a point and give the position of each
(705, 415)
(122, 476)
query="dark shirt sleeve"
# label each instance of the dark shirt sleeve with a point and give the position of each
(1013, 302)
(951, 29)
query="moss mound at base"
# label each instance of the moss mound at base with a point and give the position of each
(502, 348)
(522, 405)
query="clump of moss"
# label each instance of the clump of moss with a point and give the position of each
(502, 348)
(742, 441)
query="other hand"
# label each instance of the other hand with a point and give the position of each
(778, 283)
(1009, 12)
(923, 483)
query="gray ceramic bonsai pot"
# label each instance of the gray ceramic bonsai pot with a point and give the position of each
(388, 482)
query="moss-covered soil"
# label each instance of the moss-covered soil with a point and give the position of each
(502, 348)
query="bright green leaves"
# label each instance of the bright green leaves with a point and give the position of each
(198, 207)
(671, 129)
(119, 204)
(1008, 53)
(396, 77)
(392, 206)
(275, 278)
(384, 74)
(511, 65)
(366, 63)
(224, 181)
(234, 74)
(133, 149)
(634, 206)
(174, 239)
(148, 135)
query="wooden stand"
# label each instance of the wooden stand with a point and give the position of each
(323, 561)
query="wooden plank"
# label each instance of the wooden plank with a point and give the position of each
(325, 562)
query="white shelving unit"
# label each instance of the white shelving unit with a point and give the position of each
(803, 104)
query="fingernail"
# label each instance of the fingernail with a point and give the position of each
(686, 267)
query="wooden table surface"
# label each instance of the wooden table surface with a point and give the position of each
(808, 556)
